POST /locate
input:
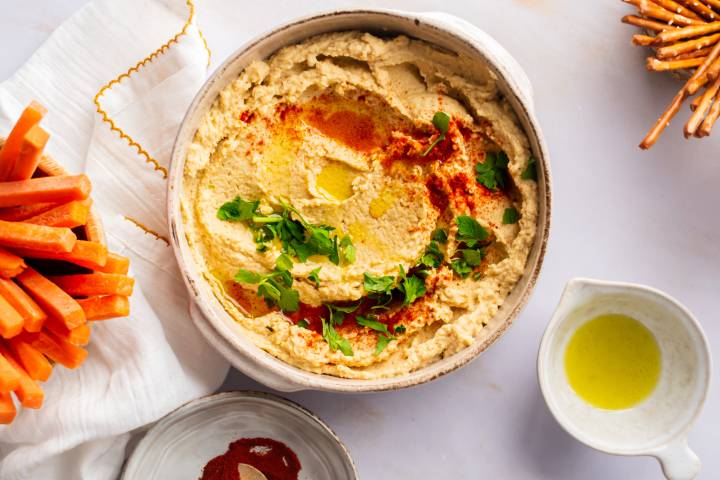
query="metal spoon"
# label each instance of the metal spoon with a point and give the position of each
(248, 472)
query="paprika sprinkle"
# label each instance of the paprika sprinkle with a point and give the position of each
(274, 459)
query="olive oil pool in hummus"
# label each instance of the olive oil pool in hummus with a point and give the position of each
(613, 362)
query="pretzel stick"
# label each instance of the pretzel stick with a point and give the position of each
(647, 23)
(695, 102)
(715, 4)
(705, 100)
(672, 36)
(673, 6)
(685, 47)
(655, 65)
(653, 10)
(702, 9)
(672, 109)
(643, 40)
(710, 119)
(709, 74)
(703, 52)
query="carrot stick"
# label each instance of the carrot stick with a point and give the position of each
(10, 264)
(34, 362)
(11, 322)
(23, 212)
(7, 408)
(58, 189)
(115, 264)
(90, 255)
(51, 298)
(72, 214)
(102, 308)
(31, 150)
(77, 336)
(37, 237)
(9, 153)
(85, 285)
(59, 350)
(28, 392)
(32, 314)
(9, 378)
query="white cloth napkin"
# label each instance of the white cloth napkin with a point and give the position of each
(142, 367)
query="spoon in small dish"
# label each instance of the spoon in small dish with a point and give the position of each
(248, 472)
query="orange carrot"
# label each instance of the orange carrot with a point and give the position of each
(31, 150)
(7, 408)
(77, 336)
(34, 362)
(85, 285)
(32, 314)
(10, 152)
(11, 322)
(58, 189)
(59, 350)
(51, 298)
(38, 237)
(10, 264)
(9, 378)
(23, 212)
(102, 308)
(28, 392)
(72, 214)
(90, 255)
(115, 264)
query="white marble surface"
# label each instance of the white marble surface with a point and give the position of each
(619, 213)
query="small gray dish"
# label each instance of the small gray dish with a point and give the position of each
(182, 443)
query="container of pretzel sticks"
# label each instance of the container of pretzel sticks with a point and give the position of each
(684, 37)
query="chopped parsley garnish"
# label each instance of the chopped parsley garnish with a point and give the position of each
(439, 235)
(492, 173)
(298, 237)
(274, 287)
(384, 336)
(441, 121)
(510, 216)
(334, 340)
(472, 240)
(373, 284)
(530, 172)
(315, 276)
(382, 342)
(432, 257)
(413, 288)
(337, 312)
(302, 323)
(398, 328)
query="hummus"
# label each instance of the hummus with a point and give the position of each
(335, 134)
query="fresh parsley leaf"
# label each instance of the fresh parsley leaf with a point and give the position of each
(441, 121)
(371, 323)
(477, 275)
(472, 257)
(246, 276)
(289, 300)
(439, 235)
(399, 328)
(382, 342)
(283, 263)
(302, 323)
(413, 288)
(338, 312)
(315, 276)
(432, 257)
(510, 216)
(347, 250)
(334, 340)
(237, 210)
(460, 267)
(492, 173)
(373, 284)
(470, 231)
(530, 172)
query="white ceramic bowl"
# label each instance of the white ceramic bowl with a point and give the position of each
(182, 443)
(659, 425)
(440, 29)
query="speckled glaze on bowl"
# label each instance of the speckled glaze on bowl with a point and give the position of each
(444, 30)
(182, 443)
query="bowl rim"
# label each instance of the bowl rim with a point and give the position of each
(210, 399)
(303, 379)
(690, 322)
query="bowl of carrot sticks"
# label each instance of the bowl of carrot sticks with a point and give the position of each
(685, 38)
(57, 276)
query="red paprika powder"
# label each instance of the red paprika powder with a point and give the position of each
(274, 459)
